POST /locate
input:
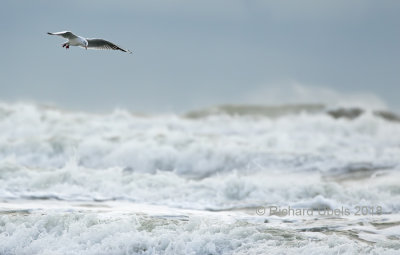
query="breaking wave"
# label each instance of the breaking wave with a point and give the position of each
(226, 157)
(118, 183)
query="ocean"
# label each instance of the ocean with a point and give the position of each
(231, 179)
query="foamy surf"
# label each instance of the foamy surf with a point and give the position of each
(218, 182)
(119, 228)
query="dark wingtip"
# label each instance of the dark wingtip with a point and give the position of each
(124, 50)
(49, 33)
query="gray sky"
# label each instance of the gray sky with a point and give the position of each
(190, 54)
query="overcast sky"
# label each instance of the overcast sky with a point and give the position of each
(190, 54)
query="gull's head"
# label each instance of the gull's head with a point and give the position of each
(86, 44)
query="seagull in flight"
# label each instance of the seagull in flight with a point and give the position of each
(87, 43)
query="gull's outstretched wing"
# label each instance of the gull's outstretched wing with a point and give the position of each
(100, 44)
(66, 34)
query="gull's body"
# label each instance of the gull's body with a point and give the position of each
(87, 43)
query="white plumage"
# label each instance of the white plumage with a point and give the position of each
(87, 43)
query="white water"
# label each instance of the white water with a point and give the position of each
(188, 169)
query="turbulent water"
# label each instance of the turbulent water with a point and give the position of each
(215, 181)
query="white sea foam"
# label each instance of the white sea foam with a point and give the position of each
(215, 162)
(40, 137)
(223, 191)
(110, 233)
